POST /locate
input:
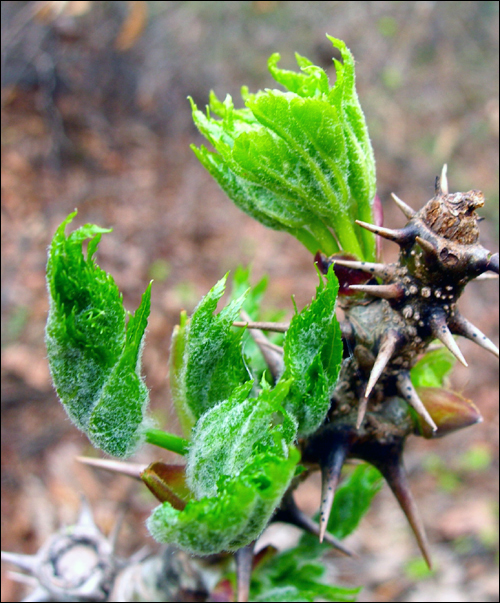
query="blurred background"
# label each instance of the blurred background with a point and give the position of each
(95, 116)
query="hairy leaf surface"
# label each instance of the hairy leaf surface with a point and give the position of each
(228, 435)
(313, 355)
(240, 464)
(236, 515)
(299, 160)
(94, 357)
(206, 361)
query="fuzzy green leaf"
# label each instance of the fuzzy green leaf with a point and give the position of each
(206, 359)
(239, 466)
(300, 160)
(291, 576)
(94, 358)
(313, 355)
(226, 436)
(233, 518)
(432, 368)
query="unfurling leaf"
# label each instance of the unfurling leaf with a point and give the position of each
(300, 160)
(228, 435)
(313, 355)
(94, 357)
(240, 464)
(233, 518)
(206, 362)
(253, 295)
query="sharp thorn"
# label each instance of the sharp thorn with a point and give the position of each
(427, 247)
(39, 595)
(244, 559)
(381, 270)
(273, 354)
(330, 475)
(434, 346)
(86, 517)
(398, 236)
(29, 581)
(363, 403)
(115, 530)
(406, 389)
(406, 209)
(386, 350)
(129, 469)
(461, 326)
(334, 542)
(140, 555)
(444, 180)
(395, 476)
(487, 276)
(269, 344)
(28, 563)
(442, 332)
(392, 291)
(290, 513)
(278, 327)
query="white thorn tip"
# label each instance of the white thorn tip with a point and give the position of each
(442, 332)
(382, 270)
(129, 469)
(406, 209)
(387, 348)
(387, 233)
(384, 291)
(409, 393)
(444, 180)
(461, 326)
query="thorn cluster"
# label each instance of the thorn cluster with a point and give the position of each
(79, 563)
(75, 564)
(390, 321)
